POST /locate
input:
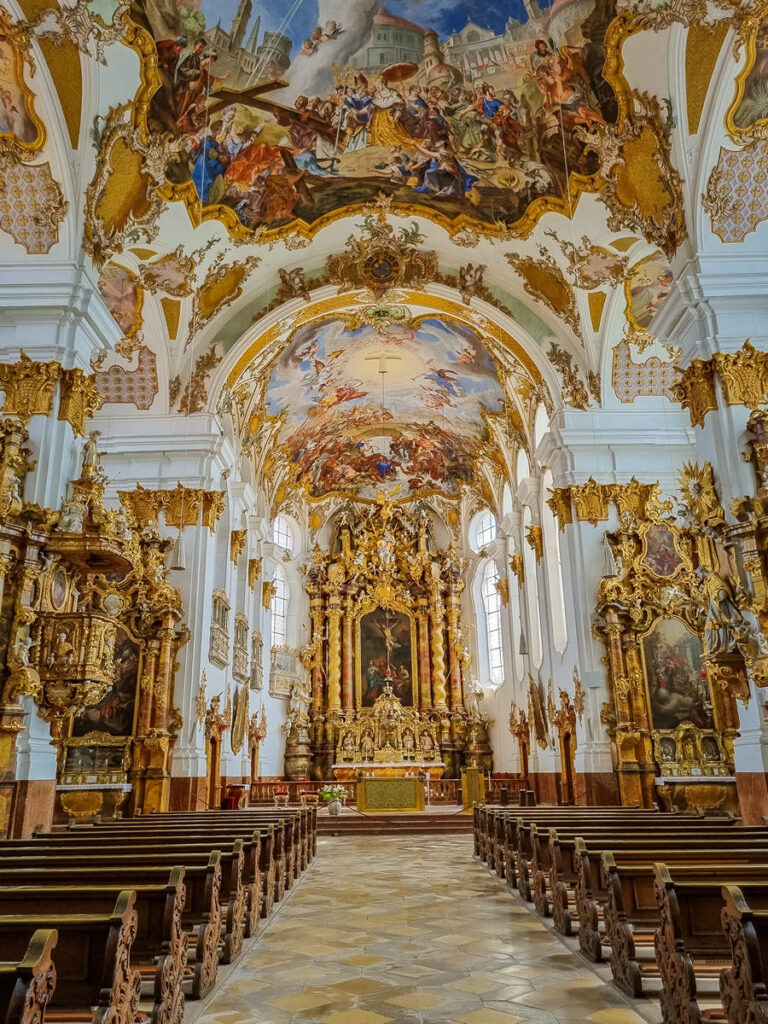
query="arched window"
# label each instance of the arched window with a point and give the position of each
(279, 609)
(523, 466)
(483, 529)
(540, 425)
(532, 595)
(554, 570)
(492, 608)
(283, 533)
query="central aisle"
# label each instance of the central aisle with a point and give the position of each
(410, 929)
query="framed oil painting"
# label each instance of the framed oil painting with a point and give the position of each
(114, 714)
(660, 554)
(386, 651)
(678, 687)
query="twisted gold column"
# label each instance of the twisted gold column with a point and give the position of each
(438, 656)
(317, 616)
(425, 683)
(334, 653)
(347, 687)
(457, 698)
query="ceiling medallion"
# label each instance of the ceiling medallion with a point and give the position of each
(379, 316)
(382, 258)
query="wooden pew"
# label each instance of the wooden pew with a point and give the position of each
(160, 842)
(272, 849)
(691, 946)
(160, 947)
(744, 984)
(232, 894)
(26, 985)
(202, 919)
(631, 914)
(94, 978)
(285, 842)
(591, 892)
(552, 864)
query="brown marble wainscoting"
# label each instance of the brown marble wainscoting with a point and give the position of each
(544, 785)
(752, 790)
(597, 789)
(188, 794)
(32, 806)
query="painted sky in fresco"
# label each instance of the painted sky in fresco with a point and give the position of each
(445, 16)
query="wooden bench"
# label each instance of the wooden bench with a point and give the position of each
(231, 895)
(160, 947)
(691, 945)
(27, 984)
(744, 984)
(202, 918)
(197, 842)
(276, 859)
(552, 867)
(95, 980)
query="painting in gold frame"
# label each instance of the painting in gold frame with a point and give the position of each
(676, 677)
(386, 640)
(660, 554)
(20, 128)
(115, 713)
(748, 114)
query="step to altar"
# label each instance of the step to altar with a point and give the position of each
(425, 823)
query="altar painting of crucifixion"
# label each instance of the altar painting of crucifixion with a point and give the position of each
(386, 654)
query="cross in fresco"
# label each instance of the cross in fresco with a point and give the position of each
(382, 358)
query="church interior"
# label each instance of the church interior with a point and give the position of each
(383, 511)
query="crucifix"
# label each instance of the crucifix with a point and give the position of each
(382, 358)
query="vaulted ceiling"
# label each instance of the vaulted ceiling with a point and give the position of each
(490, 200)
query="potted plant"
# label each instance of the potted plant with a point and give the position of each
(333, 795)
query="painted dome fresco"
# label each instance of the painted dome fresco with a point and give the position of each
(476, 113)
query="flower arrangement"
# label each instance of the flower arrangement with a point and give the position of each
(330, 792)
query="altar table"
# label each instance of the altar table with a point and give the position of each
(390, 795)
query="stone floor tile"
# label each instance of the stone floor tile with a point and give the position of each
(410, 930)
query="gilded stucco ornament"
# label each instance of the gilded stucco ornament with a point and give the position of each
(696, 390)
(182, 506)
(697, 490)
(638, 183)
(544, 281)
(517, 565)
(535, 537)
(743, 377)
(28, 387)
(381, 258)
(237, 543)
(78, 400)
(575, 393)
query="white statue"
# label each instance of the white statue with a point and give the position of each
(300, 697)
(21, 650)
(71, 517)
(91, 452)
(472, 697)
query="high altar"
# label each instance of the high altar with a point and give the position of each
(388, 690)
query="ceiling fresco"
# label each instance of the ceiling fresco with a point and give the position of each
(471, 112)
(403, 410)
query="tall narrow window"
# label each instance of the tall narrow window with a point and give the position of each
(482, 530)
(492, 608)
(282, 533)
(280, 610)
